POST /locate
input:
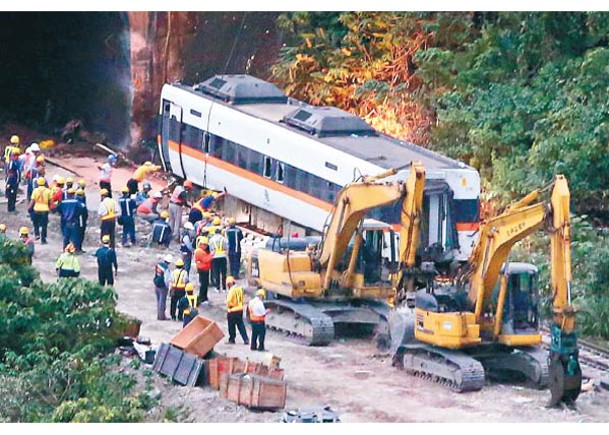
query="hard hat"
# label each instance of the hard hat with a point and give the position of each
(206, 215)
(71, 191)
(168, 258)
(103, 192)
(164, 214)
(23, 231)
(157, 195)
(35, 147)
(262, 293)
(148, 164)
(146, 186)
(82, 183)
(2, 227)
(15, 139)
(232, 221)
(217, 221)
(111, 158)
(40, 159)
(70, 248)
(80, 192)
(179, 262)
(212, 230)
(189, 226)
(188, 184)
(125, 189)
(28, 150)
(105, 238)
(190, 287)
(61, 180)
(70, 180)
(230, 280)
(203, 241)
(41, 181)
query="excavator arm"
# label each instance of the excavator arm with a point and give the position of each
(356, 199)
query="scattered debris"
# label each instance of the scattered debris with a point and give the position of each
(311, 415)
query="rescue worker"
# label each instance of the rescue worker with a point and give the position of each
(257, 313)
(234, 236)
(234, 309)
(107, 214)
(203, 259)
(70, 209)
(29, 166)
(187, 245)
(13, 178)
(202, 205)
(148, 210)
(24, 236)
(69, 184)
(188, 304)
(144, 194)
(34, 174)
(106, 259)
(202, 224)
(176, 203)
(57, 191)
(82, 220)
(82, 185)
(139, 174)
(127, 217)
(162, 281)
(40, 207)
(161, 231)
(178, 289)
(218, 243)
(105, 177)
(68, 264)
(3, 237)
(11, 149)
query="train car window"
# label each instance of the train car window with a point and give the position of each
(229, 151)
(303, 181)
(291, 174)
(255, 162)
(316, 186)
(216, 146)
(174, 131)
(195, 113)
(280, 172)
(242, 155)
(268, 167)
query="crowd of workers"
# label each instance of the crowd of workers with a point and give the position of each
(212, 242)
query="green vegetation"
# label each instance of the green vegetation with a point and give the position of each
(519, 95)
(56, 350)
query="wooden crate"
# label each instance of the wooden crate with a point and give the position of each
(198, 337)
(220, 365)
(254, 391)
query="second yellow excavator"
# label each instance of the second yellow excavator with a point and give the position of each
(487, 320)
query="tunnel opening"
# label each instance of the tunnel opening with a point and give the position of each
(63, 66)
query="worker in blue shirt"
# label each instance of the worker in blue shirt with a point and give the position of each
(71, 209)
(161, 230)
(127, 217)
(106, 258)
(13, 178)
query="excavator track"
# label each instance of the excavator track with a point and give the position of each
(448, 367)
(300, 319)
(531, 362)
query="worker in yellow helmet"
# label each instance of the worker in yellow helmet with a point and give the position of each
(138, 176)
(218, 245)
(257, 314)
(161, 231)
(24, 236)
(107, 213)
(234, 311)
(68, 264)
(178, 289)
(13, 178)
(203, 259)
(106, 259)
(40, 206)
(10, 149)
(234, 236)
(189, 304)
(3, 237)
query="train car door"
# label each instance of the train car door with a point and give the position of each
(171, 131)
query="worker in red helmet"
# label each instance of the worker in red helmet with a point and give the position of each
(176, 204)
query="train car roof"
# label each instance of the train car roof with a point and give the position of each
(381, 150)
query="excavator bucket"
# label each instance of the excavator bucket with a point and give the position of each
(401, 328)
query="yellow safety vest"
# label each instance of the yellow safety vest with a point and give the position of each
(219, 249)
(68, 262)
(192, 304)
(234, 299)
(110, 213)
(178, 282)
(42, 199)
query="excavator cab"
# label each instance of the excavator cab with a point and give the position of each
(521, 307)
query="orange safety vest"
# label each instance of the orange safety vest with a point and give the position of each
(42, 199)
(253, 317)
(110, 207)
(234, 299)
(178, 282)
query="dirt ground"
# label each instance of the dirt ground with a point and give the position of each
(346, 375)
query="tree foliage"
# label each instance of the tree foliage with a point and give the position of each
(55, 349)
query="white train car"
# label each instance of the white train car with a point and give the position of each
(282, 160)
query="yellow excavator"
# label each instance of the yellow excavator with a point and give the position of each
(488, 318)
(342, 280)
